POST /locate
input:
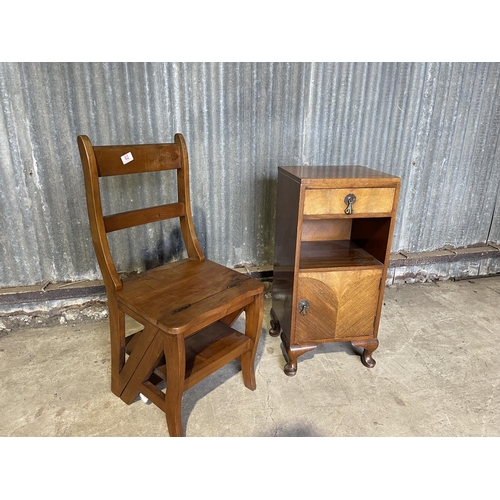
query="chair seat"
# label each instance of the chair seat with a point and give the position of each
(185, 296)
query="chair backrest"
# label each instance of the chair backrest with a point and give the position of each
(101, 161)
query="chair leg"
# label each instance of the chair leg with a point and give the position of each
(117, 337)
(175, 357)
(253, 325)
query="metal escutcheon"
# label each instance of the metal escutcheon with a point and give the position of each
(303, 307)
(349, 200)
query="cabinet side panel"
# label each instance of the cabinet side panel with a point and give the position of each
(387, 255)
(285, 247)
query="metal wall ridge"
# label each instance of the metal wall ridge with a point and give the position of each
(16, 298)
(401, 258)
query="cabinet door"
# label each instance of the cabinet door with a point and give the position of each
(342, 304)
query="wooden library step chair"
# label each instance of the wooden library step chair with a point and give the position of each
(186, 307)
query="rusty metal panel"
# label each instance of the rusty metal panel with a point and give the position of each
(435, 124)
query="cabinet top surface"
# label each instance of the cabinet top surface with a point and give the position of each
(314, 175)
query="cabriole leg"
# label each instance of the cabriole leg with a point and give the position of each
(275, 325)
(291, 353)
(368, 347)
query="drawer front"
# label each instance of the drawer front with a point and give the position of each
(341, 305)
(331, 201)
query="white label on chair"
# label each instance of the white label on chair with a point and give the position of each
(127, 158)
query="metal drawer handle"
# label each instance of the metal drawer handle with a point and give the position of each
(303, 307)
(349, 200)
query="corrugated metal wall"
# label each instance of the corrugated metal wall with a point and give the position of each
(435, 124)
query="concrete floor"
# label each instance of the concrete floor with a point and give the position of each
(436, 375)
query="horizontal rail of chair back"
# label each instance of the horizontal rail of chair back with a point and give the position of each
(137, 158)
(133, 218)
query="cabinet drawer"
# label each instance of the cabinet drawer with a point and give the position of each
(331, 201)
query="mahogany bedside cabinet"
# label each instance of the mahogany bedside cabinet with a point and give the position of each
(334, 227)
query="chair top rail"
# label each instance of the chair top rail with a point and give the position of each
(136, 158)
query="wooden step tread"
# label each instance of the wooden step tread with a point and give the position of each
(208, 350)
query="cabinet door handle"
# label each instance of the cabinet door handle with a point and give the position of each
(303, 307)
(349, 200)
